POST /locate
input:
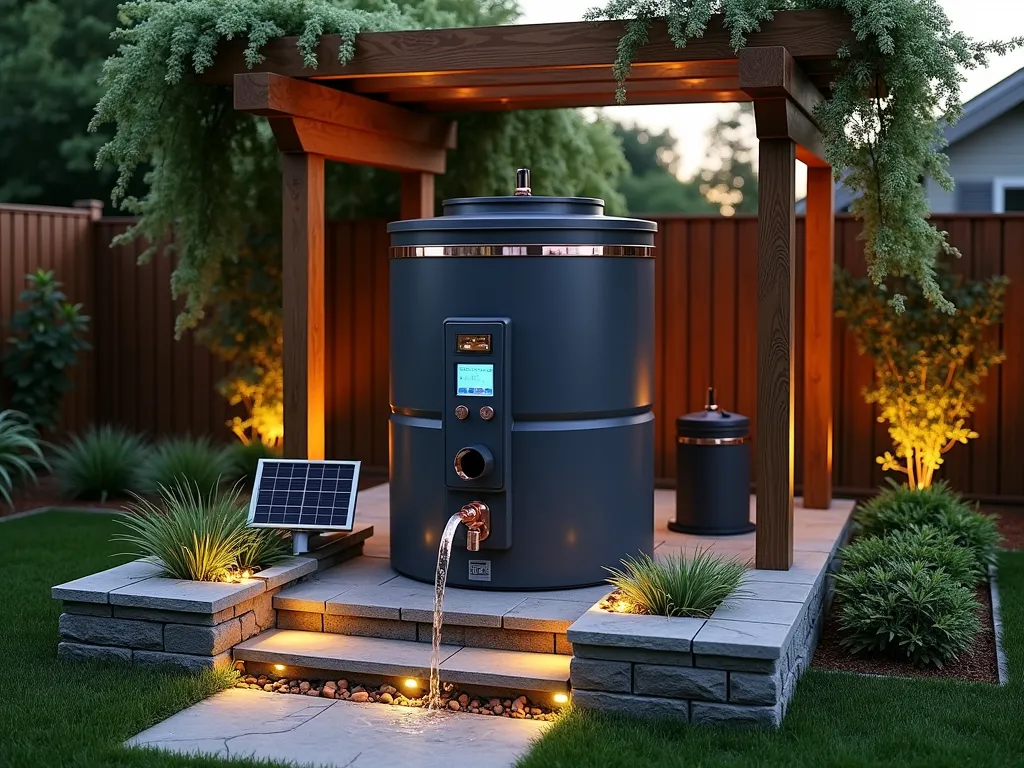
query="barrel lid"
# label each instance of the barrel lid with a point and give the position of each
(523, 218)
(713, 422)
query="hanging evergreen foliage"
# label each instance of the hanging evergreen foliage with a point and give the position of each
(213, 175)
(881, 141)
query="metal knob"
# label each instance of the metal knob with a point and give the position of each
(461, 412)
(473, 540)
(487, 413)
(523, 182)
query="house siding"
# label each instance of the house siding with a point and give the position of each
(997, 150)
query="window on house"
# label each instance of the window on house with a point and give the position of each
(1008, 195)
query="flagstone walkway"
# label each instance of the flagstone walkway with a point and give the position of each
(320, 732)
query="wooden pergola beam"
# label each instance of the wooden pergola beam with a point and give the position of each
(273, 95)
(518, 77)
(772, 72)
(536, 91)
(809, 34)
(346, 145)
(608, 100)
(781, 118)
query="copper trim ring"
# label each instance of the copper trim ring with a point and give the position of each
(713, 440)
(469, 251)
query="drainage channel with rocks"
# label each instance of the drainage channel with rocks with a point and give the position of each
(453, 699)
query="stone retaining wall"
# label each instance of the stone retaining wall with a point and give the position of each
(133, 614)
(713, 672)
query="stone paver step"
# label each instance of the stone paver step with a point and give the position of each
(367, 588)
(401, 658)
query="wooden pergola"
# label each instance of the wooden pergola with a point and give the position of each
(381, 110)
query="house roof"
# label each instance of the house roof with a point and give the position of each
(978, 112)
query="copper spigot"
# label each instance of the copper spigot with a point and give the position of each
(476, 516)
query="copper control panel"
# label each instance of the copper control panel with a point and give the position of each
(469, 342)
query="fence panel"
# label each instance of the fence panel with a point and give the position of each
(705, 335)
(39, 237)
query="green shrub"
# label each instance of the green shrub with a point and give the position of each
(677, 585)
(21, 452)
(244, 458)
(898, 508)
(45, 342)
(183, 459)
(924, 544)
(197, 537)
(102, 462)
(908, 609)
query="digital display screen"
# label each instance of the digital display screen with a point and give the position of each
(474, 379)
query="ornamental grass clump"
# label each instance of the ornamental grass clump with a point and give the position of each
(924, 544)
(21, 453)
(905, 608)
(676, 585)
(183, 459)
(198, 537)
(898, 508)
(101, 462)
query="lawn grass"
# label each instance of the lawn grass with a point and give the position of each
(57, 713)
(835, 719)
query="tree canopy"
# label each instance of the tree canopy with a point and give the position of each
(51, 55)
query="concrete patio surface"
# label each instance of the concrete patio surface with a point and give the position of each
(320, 732)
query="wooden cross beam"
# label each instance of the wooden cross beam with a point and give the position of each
(784, 103)
(311, 118)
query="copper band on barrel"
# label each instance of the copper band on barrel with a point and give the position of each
(713, 440)
(471, 251)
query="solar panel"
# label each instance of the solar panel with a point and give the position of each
(304, 495)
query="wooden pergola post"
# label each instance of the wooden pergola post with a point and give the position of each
(417, 199)
(819, 255)
(776, 284)
(784, 101)
(304, 319)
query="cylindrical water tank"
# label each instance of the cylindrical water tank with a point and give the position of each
(522, 382)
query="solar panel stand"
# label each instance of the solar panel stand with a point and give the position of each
(300, 542)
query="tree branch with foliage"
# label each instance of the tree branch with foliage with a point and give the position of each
(929, 366)
(882, 125)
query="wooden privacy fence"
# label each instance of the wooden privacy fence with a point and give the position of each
(706, 331)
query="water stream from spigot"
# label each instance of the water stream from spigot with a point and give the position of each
(444, 553)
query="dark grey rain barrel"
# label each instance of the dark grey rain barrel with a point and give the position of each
(712, 472)
(522, 378)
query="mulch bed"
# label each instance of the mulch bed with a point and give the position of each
(1011, 525)
(46, 495)
(977, 664)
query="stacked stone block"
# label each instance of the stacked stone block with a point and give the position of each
(133, 614)
(155, 637)
(621, 666)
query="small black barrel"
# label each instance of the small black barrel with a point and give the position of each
(712, 472)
